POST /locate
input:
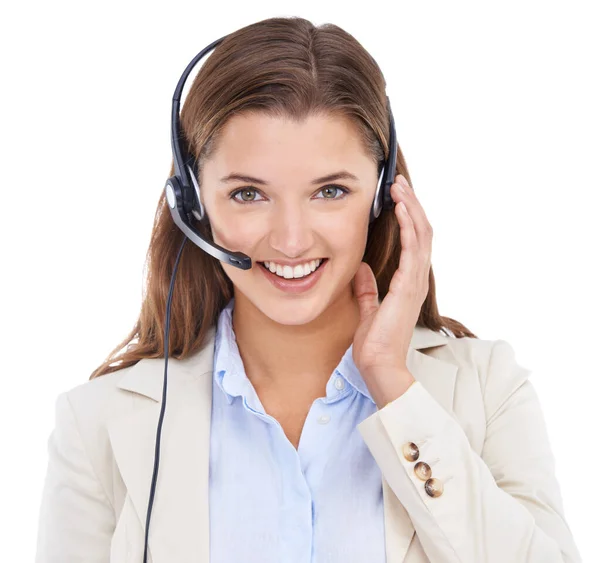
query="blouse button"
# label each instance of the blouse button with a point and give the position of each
(324, 419)
(339, 384)
(410, 451)
(422, 471)
(434, 487)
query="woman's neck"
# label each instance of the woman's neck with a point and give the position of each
(294, 358)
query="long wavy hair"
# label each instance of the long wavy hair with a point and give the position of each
(281, 67)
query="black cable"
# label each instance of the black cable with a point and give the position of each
(164, 398)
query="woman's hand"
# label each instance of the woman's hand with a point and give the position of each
(381, 341)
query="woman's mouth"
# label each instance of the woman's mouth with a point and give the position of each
(295, 285)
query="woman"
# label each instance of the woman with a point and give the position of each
(319, 406)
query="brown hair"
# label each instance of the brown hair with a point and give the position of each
(284, 67)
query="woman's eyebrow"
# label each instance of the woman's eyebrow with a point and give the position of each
(341, 175)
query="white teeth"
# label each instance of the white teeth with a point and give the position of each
(288, 272)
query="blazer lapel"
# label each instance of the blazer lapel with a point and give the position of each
(179, 526)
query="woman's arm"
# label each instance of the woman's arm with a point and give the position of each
(76, 519)
(504, 506)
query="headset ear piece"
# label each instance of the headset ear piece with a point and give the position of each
(173, 192)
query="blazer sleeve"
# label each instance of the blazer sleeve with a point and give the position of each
(76, 519)
(503, 506)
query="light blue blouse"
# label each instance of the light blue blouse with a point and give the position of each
(271, 503)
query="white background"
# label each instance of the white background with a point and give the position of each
(496, 110)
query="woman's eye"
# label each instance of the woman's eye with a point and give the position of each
(343, 190)
(243, 191)
(246, 191)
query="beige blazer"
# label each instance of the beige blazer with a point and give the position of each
(473, 418)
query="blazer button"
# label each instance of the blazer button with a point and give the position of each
(410, 451)
(434, 487)
(422, 471)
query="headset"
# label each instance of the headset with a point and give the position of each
(183, 197)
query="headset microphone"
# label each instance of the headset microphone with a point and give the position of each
(183, 197)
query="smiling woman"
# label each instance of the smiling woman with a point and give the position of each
(287, 219)
(321, 408)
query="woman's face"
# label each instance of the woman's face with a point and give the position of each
(289, 216)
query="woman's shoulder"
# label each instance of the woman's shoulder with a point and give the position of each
(463, 351)
(479, 354)
(131, 387)
(100, 389)
(494, 360)
(487, 370)
(91, 403)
